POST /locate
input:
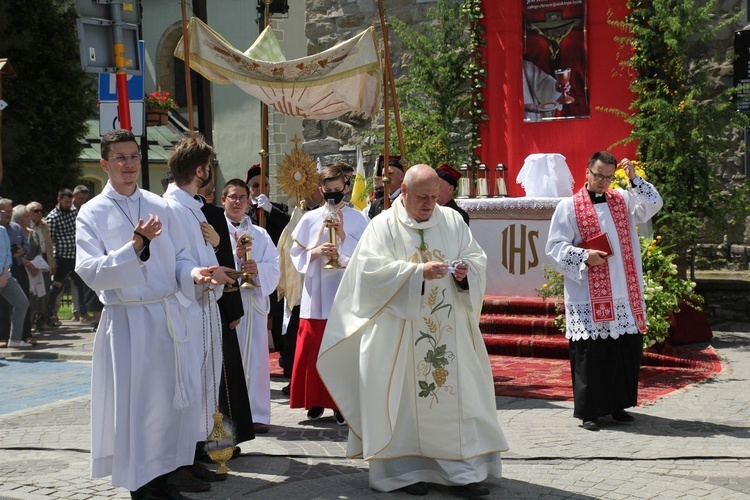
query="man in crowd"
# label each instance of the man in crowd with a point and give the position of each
(395, 176)
(593, 242)
(40, 227)
(448, 183)
(62, 226)
(145, 394)
(311, 250)
(405, 325)
(263, 267)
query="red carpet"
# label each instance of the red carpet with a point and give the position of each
(549, 378)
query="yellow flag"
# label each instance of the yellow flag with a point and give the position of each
(359, 196)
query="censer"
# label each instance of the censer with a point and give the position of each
(219, 443)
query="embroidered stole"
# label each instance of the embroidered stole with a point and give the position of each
(600, 285)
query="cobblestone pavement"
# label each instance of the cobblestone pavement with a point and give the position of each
(693, 443)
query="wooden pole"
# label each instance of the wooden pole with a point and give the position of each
(388, 83)
(264, 128)
(186, 53)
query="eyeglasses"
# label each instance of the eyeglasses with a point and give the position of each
(38, 211)
(123, 159)
(255, 186)
(600, 177)
(234, 198)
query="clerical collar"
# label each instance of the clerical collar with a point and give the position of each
(597, 197)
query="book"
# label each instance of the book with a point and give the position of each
(598, 242)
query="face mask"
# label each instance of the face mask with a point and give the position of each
(336, 196)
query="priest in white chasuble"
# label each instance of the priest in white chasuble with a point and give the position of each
(402, 354)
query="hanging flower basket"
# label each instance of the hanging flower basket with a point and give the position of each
(158, 105)
(156, 117)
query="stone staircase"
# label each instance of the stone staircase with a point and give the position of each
(522, 326)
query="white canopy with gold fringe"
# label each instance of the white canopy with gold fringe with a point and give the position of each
(344, 78)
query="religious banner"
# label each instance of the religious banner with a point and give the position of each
(555, 65)
(326, 85)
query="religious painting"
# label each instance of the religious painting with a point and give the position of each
(555, 66)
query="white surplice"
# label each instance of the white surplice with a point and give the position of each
(140, 357)
(252, 330)
(321, 284)
(642, 202)
(404, 358)
(204, 319)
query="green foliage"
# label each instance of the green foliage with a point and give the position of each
(440, 99)
(663, 290)
(49, 100)
(681, 122)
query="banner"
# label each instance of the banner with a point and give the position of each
(345, 78)
(555, 65)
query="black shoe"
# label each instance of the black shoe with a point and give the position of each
(184, 480)
(339, 418)
(236, 453)
(286, 389)
(173, 493)
(315, 412)
(259, 428)
(470, 490)
(622, 416)
(205, 474)
(416, 489)
(591, 424)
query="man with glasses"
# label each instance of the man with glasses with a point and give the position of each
(252, 330)
(145, 393)
(593, 242)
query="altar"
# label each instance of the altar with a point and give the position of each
(513, 233)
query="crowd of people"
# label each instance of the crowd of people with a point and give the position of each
(38, 256)
(375, 313)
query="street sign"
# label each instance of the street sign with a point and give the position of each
(96, 40)
(102, 9)
(108, 82)
(108, 119)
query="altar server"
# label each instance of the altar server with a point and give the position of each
(143, 393)
(252, 330)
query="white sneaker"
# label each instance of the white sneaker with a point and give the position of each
(18, 343)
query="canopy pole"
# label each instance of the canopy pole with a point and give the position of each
(186, 59)
(264, 128)
(388, 82)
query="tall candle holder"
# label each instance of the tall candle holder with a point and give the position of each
(501, 190)
(482, 188)
(464, 183)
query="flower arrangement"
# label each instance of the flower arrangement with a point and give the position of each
(664, 291)
(161, 100)
(621, 179)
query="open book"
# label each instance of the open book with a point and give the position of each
(598, 242)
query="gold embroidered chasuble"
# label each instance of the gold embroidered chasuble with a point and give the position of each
(403, 357)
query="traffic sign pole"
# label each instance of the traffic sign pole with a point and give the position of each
(123, 102)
